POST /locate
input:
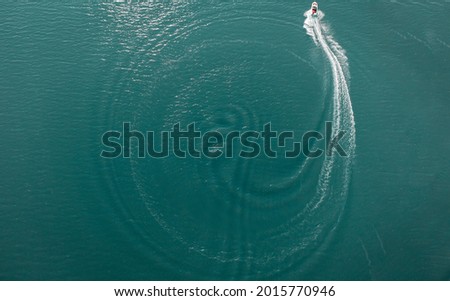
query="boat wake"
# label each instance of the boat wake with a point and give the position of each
(239, 218)
(334, 167)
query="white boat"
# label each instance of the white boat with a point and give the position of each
(314, 9)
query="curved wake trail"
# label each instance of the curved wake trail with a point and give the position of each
(343, 118)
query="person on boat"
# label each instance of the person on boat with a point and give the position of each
(314, 7)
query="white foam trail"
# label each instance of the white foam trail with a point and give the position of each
(343, 118)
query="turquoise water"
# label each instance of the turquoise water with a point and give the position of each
(71, 71)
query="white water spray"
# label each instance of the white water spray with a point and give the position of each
(343, 118)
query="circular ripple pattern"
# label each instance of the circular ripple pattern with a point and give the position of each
(225, 69)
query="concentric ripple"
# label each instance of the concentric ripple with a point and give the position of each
(227, 69)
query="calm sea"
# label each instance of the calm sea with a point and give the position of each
(378, 71)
